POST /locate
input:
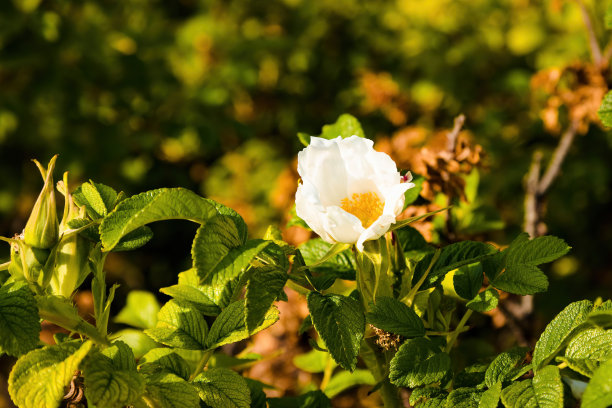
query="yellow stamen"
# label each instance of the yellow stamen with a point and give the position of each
(365, 206)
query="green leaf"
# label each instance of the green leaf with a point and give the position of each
(464, 398)
(598, 393)
(402, 223)
(411, 195)
(521, 279)
(471, 376)
(223, 388)
(137, 340)
(490, 398)
(140, 310)
(588, 349)
(166, 390)
(180, 325)
(393, 316)
(608, 17)
(151, 206)
(258, 396)
(38, 378)
(420, 395)
(265, 285)
(19, 321)
(453, 256)
(544, 391)
(484, 301)
(230, 325)
(345, 380)
(605, 110)
(418, 362)
(536, 251)
(195, 296)
(166, 359)
(327, 258)
(98, 199)
(346, 126)
(340, 322)
(111, 379)
(467, 280)
(502, 367)
(134, 240)
(314, 361)
(312, 399)
(559, 331)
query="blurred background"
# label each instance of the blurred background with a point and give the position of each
(210, 94)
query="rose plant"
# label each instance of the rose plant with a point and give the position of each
(386, 308)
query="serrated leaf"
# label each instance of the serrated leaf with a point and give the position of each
(340, 322)
(419, 395)
(312, 399)
(598, 393)
(411, 239)
(346, 126)
(536, 251)
(38, 378)
(544, 391)
(152, 206)
(265, 285)
(195, 296)
(98, 199)
(412, 194)
(137, 340)
(223, 388)
(19, 321)
(140, 310)
(521, 279)
(605, 110)
(393, 316)
(453, 256)
(467, 280)
(471, 376)
(484, 301)
(490, 398)
(180, 325)
(558, 332)
(464, 398)
(134, 240)
(341, 263)
(167, 360)
(588, 349)
(418, 362)
(345, 380)
(166, 390)
(501, 368)
(230, 326)
(111, 379)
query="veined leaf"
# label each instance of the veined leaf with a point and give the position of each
(98, 199)
(467, 280)
(598, 393)
(391, 315)
(166, 390)
(265, 285)
(140, 310)
(151, 206)
(345, 380)
(536, 251)
(180, 325)
(346, 126)
(223, 388)
(314, 361)
(137, 340)
(464, 398)
(340, 322)
(559, 331)
(521, 279)
(490, 398)
(19, 321)
(484, 301)
(167, 360)
(605, 110)
(111, 379)
(418, 362)
(588, 349)
(194, 295)
(312, 399)
(38, 378)
(544, 391)
(502, 367)
(230, 325)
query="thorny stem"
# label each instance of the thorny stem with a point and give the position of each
(201, 364)
(459, 329)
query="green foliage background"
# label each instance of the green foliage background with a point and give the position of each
(209, 95)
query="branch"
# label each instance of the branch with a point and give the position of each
(557, 159)
(453, 134)
(593, 44)
(531, 197)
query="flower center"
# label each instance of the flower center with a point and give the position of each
(365, 206)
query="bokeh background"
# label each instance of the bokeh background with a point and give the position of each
(210, 94)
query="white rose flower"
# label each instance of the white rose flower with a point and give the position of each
(349, 193)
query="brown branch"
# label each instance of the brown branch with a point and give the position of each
(531, 197)
(593, 44)
(557, 159)
(453, 134)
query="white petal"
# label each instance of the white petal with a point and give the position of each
(342, 226)
(376, 230)
(321, 164)
(308, 207)
(394, 198)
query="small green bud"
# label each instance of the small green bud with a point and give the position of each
(34, 259)
(42, 229)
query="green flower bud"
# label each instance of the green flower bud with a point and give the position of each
(34, 259)
(42, 229)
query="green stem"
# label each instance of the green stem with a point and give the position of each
(81, 327)
(453, 336)
(377, 361)
(409, 298)
(201, 364)
(329, 369)
(5, 266)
